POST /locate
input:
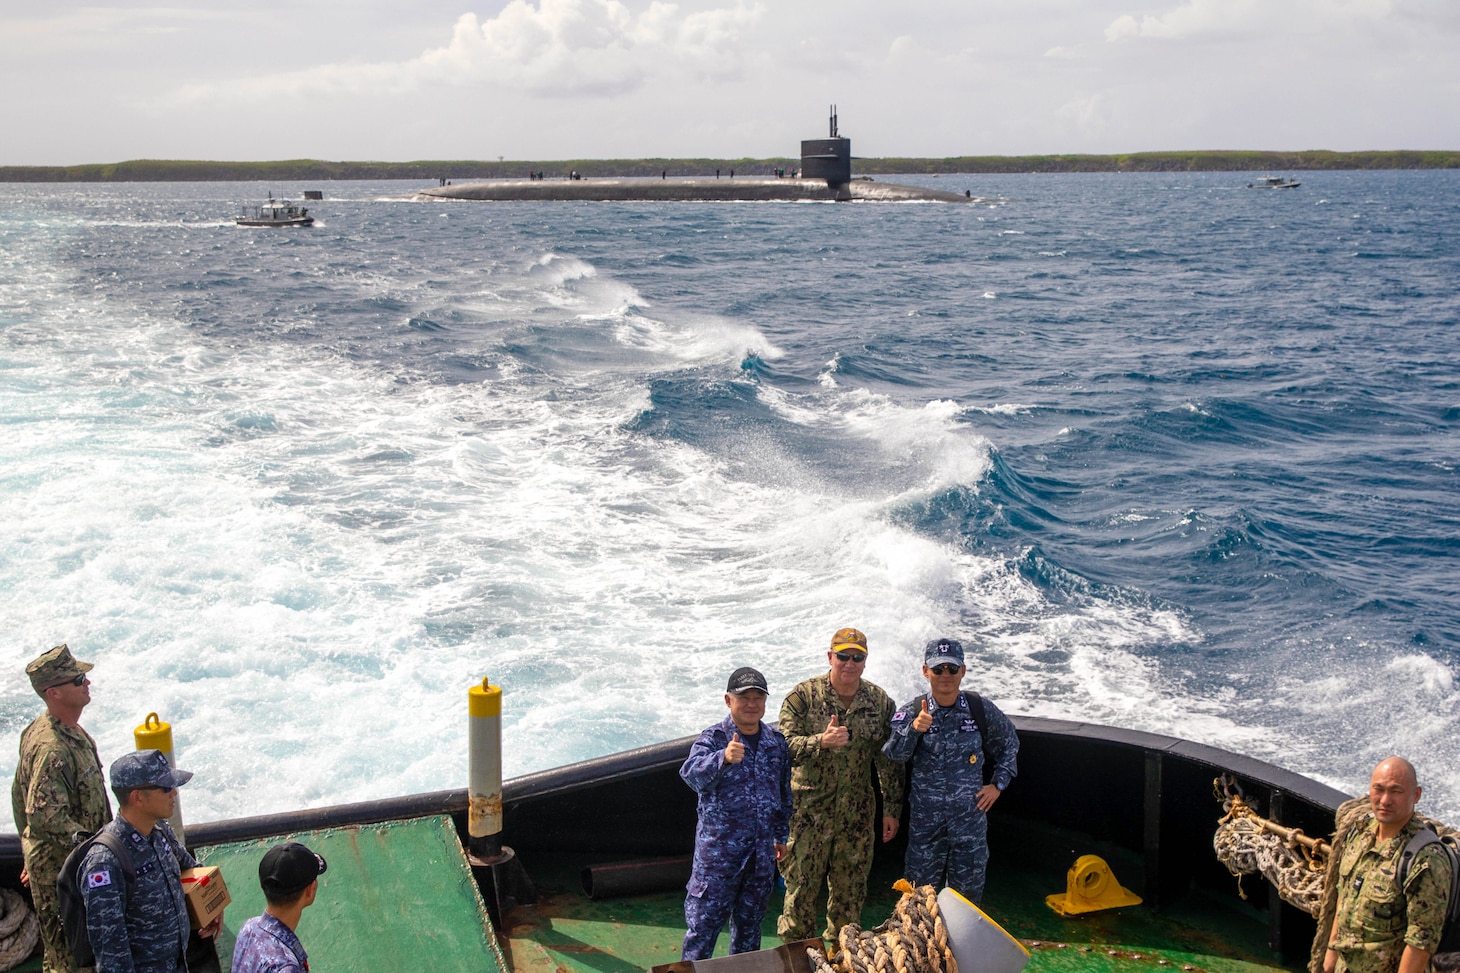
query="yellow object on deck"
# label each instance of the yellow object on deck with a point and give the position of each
(155, 734)
(1089, 887)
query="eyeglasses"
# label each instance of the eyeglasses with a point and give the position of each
(855, 658)
(944, 669)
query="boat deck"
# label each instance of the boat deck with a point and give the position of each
(565, 932)
(406, 891)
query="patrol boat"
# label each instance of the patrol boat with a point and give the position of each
(1274, 182)
(275, 212)
(588, 872)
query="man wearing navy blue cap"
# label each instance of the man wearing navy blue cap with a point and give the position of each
(741, 770)
(289, 875)
(964, 752)
(140, 925)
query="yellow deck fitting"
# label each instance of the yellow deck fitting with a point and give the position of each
(1089, 887)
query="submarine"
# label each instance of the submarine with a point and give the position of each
(825, 175)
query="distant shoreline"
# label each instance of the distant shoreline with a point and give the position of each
(298, 170)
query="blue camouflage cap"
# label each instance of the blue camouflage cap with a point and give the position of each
(940, 651)
(146, 768)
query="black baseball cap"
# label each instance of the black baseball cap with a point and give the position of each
(289, 868)
(744, 679)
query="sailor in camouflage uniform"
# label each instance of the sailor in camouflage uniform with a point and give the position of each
(1379, 927)
(741, 769)
(835, 725)
(144, 929)
(58, 791)
(289, 876)
(947, 840)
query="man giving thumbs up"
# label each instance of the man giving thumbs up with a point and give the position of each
(835, 725)
(964, 752)
(741, 769)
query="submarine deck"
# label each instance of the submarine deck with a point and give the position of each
(740, 189)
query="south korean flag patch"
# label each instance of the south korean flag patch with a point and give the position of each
(96, 880)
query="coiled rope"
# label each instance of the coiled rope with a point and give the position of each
(914, 940)
(19, 929)
(1248, 843)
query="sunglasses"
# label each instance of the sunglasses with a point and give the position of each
(78, 681)
(944, 669)
(856, 658)
(154, 787)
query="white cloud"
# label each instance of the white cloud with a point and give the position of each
(551, 47)
(1086, 114)
(58, 32)
(1195, 18)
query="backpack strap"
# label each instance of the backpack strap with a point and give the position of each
(1422, 839)
(113, 843)
(980, 716)
(981, 720)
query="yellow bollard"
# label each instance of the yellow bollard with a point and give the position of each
(484, 768)
(1090, 886)
(154, 734)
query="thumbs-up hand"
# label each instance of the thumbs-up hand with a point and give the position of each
(734, 750)
(835, 737)
(923, 720)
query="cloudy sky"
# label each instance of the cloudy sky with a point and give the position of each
(556, 79)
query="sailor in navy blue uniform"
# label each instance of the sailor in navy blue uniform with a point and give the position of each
(289, 875)
(952, 738)
(741, 769)
(141, 928)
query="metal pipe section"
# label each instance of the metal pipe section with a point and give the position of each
(154, 734)
(484, 769)
(635, 877)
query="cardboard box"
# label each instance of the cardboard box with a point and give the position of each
(206, 894)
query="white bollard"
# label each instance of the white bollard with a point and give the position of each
(484, 769)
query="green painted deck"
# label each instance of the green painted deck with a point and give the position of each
(567, 933)
(400, 897)
(397, 897)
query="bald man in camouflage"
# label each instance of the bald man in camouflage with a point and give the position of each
(1377, 926)
(58, 791)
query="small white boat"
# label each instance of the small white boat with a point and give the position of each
(276, 212)
(1274, 182)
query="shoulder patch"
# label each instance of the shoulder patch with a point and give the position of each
(95, 880)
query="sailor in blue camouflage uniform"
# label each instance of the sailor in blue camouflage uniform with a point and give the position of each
(144, 929)
(289, 875)
(741, 769)
(939, 731)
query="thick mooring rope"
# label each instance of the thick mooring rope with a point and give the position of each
(1248, 843)
(19, 930)
(914, 940)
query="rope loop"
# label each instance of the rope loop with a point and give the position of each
(913, 940)
(1249, 844)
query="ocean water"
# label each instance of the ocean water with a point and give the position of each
(1165, 453)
